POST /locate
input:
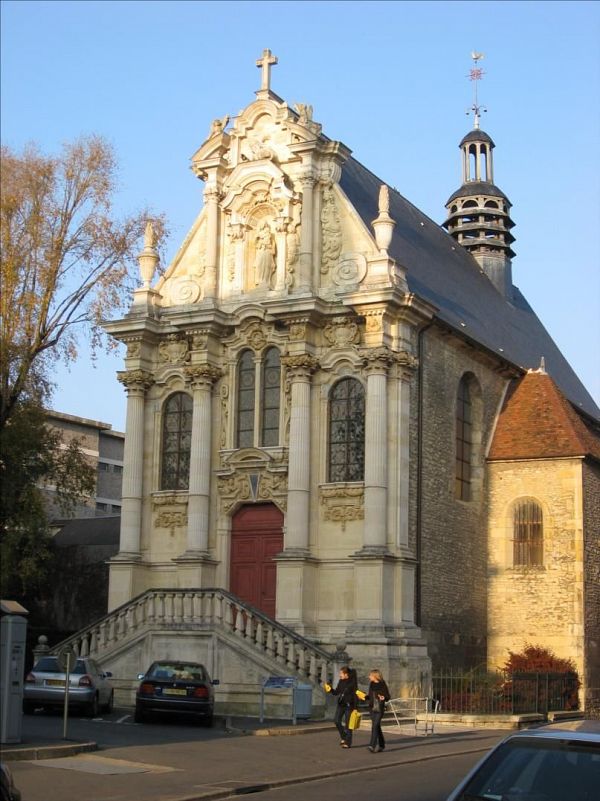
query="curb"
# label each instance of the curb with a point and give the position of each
(46, 751)
(279, 731)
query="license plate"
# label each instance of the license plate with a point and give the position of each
(171, 691)
(55, 682)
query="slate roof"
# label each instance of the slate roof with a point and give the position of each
(98, 537)
(478, 188)
(538, 422)
(448, 276)
(477, 135)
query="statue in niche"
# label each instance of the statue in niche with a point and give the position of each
(264, 261)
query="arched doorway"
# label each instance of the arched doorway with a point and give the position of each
(256, 536)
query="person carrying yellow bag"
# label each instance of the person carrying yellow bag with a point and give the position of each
(346, 703)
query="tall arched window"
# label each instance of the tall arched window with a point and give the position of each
(176, 442)
(246, 400)
(347, 431)
(270, 397)
(464, 440)
(528, 534)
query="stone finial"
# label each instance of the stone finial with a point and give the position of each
(384, 224)
(148, 258)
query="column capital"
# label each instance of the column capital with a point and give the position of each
(138, 381)
(308, 177)
(202, 375)
(300, 366)
(212, 193)
(377, 360)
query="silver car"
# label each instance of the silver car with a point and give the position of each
(89, 687)
(560, 762)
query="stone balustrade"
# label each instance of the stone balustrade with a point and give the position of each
(182, 609)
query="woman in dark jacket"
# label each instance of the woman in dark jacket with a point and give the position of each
(346, 702)
(377, 694)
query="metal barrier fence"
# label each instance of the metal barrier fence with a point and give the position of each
(502, 693)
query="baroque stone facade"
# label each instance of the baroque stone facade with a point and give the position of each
(286, 361)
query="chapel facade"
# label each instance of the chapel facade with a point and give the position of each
(314, 386)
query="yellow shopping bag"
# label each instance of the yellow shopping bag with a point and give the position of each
(355, 719)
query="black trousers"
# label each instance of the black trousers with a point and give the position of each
(342, 715)
(376, 733)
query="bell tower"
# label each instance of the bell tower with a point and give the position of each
(478, 212)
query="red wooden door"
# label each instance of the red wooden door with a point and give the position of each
(256, 536)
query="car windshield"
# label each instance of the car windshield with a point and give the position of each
(49, 664)
(538, 770)
(177, 671)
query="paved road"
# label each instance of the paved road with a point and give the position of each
(166, 761)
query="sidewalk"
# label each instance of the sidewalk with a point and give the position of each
(232, 763)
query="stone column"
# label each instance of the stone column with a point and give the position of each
(377, 363)
(201, 378)
(136, 383)
(308, 180)
(211, 199)
(299, 369)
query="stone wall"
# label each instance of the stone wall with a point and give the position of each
(541, 605)
(591, 545)
(453, 537)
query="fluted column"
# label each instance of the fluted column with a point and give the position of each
(211, 200)
(299, 369)
(201, 378)
(308, 180)
(136, 383)
(377, 363)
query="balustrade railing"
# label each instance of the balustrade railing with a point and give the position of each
(207, 608)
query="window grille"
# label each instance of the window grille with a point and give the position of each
(528, 534)
(246, 400)
(270, 397)
(176, 442)
(347, 431)
(464, 441)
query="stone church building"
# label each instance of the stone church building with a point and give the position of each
(347, 431)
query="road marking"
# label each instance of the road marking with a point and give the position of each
(124, 718)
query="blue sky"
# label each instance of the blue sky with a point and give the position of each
(389, 79)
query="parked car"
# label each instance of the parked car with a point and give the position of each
(559, 762)
(176, 687)
(8, 791)
(89, 686)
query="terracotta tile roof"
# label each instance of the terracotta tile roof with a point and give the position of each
(538, 422)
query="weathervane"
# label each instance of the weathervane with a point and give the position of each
(475, 75)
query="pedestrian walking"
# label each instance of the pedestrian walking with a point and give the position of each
(346, 702)
(377, 695)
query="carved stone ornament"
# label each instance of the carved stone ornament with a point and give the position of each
(302, 365)
(170, 510)
(350, 270)
(255, 336)
(331, 231)
(170, 519)
(343, 504)
(253, 487)
(377, 359)
(199, 339)
(173, 351)
(224, 413)
(133, 350)
(140, 380)
(374, 321)
(185, 290)
(203, 374)
(341, 332)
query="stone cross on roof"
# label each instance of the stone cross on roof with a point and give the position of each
(265, 65)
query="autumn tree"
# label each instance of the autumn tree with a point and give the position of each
(67, 260)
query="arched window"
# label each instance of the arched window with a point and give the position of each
(464, 440)
(528, 534)
(246, 400)
(176, 442)
(270, 397)
(347, 431)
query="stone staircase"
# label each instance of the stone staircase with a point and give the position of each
(239, 645)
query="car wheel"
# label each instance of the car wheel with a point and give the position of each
(108, 707)
(140, 716)
(93, 707)
(28, 708)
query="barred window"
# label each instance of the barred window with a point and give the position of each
(270, 397)
(528, 534)
(464, 440)
(347, 431)
(258, 399)
(176, 442)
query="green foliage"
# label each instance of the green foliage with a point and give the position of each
(32, 454)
